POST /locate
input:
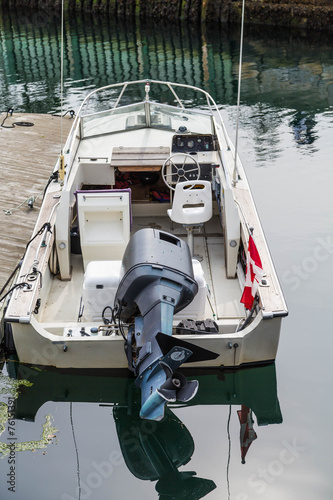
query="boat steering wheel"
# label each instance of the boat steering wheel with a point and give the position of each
(179, 171)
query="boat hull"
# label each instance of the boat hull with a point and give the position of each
(141, 252)
(256, 344)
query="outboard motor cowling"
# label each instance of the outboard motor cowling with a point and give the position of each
(158, 281)
(159, 264)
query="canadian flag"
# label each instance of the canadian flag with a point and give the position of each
(254, 273)
(247, 433)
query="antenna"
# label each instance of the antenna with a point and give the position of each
(76, 449)
(61, 156)
(235, 173)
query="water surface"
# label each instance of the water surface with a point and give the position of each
(74, 443)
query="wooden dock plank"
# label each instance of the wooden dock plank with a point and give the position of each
(27, 159)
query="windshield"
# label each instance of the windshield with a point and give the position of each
(146, 114)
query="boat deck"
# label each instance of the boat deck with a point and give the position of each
(222, 304)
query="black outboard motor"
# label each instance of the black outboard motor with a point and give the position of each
(158, 281)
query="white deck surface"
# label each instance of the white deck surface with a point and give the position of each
(63, 302)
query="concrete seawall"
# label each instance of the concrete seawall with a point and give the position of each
(314, 14)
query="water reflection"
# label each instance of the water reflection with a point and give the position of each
(9, 391)
(100, 51)
(157, 452)
(280, 75)
(303, 125)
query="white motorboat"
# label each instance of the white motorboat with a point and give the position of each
(140, 254)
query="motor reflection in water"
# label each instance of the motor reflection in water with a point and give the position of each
(155, 451)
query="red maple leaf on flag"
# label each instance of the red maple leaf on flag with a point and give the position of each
(254, 273)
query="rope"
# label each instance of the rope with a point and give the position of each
(42, 229)
(10, 277)
(13, 125)
(70, 111)
(53, 177)
(47, 226)
(18, 285)
(32, 198)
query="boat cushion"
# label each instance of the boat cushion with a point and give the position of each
(104, 218)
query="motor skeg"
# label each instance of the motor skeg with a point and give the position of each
(158, 281)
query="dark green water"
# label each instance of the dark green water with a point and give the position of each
(69, 433)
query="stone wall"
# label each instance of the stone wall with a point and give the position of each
(316, 14)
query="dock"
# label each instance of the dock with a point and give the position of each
(29, 147)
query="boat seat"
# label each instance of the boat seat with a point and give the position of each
(104, 219)
(101, 281)
(192, 206)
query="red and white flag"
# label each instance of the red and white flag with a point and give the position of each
(247, 433)
(254, 273)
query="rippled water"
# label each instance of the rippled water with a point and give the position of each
(73, 442)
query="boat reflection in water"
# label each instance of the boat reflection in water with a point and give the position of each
(155, 451)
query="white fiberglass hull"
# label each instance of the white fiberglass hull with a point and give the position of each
(256, 344)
